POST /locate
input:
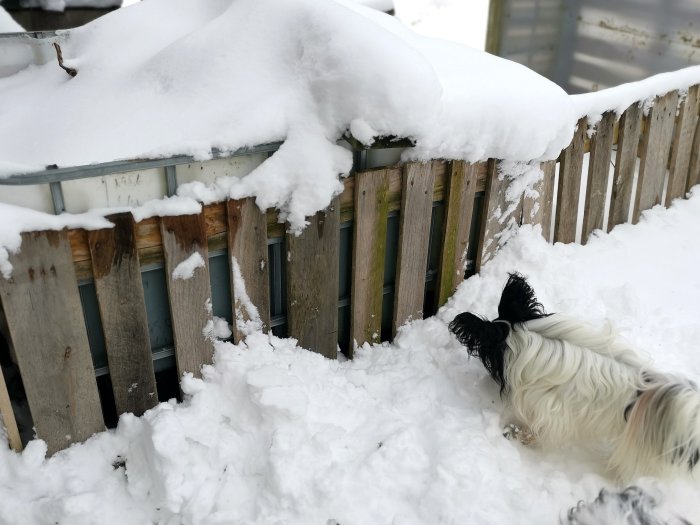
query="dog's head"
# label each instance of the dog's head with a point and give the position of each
(485, 340)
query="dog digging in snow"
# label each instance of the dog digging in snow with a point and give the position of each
(568, 383)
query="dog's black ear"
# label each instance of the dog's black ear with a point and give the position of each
(485, 340)
(518, 302)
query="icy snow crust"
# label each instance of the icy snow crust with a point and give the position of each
(408, 432)
(227, 74)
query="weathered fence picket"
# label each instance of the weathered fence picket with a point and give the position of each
(7, 418)
(414, 233)
(655, 152)
(629, 128)
(682, 145)
(460, 190)
(184, 236)
(369, 252)
(312, 282)
(569, 188)
(117, 276)
(598, 175)
(47, 328)
(248, 263)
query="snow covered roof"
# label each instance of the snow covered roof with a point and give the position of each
(226, 74)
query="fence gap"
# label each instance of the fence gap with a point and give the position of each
(598, 175)
(414, 235)
(460, 192)
(655, 153)
(682, 146)
(569, 188)
(369, 252)
(117, 276)
(184, 236)
(53, 354)
(629, 129)
(247, 242)
(312, 282)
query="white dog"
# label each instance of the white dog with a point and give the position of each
(570, 383)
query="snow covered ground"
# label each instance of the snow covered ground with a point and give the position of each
(408, 432)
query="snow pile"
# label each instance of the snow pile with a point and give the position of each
(619, 98)
(7, 23)
(408, 432)
(185, 270)
(227, 74)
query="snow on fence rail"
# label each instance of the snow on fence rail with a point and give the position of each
(656, 159)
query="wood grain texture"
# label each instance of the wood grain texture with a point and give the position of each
(569, 188)
(312, 283)
(7, 417)
(460, 190)
(655, 154)
(46, 325)
(414, 235)
(598, 176)
(682, 147)
(497, 214)
(368, 254)
(630, 127)
(183, 236)
(539, 211)
(247, 241)
(123, 312)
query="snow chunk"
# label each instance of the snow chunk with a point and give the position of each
(185, 270)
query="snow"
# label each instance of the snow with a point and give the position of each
(7, 23)
(185, 270)
(619, 98)
(227, 74)
(408, 432)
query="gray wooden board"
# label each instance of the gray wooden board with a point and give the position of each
(598, 176)
(569, 188)
(183, 236)
(694, 168)
(629, 128)
(546, 199)
(683, 145)
(247, 242)
(117, 274)
(7, 417)
(497, 214)
(417, 183)
(655, 153)
(46, 325)
(368, 254)
(312, 282)
(459, 206)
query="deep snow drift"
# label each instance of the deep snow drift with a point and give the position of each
(406, 433)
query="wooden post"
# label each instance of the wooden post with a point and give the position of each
(117, 275)
(7, 416)
(570, 166)
(185, 236)
(312, 282)
(494, 219)
(247, 242)
(540, 211)
(629, 129)
(655, 152)
(46, 325)
(414, 235)
(694, 168)
(460, 190)
(683, 145)
(598, 176)
(368, 254)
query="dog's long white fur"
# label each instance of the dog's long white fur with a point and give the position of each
(569, 382)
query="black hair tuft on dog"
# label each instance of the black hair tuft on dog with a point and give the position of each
(518, 302)
(485, 340)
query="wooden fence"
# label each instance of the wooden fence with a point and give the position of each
(43, 310)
